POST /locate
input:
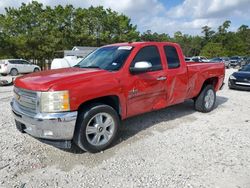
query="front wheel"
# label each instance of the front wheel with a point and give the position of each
(206, 100)
(36, 70)
(96, 128)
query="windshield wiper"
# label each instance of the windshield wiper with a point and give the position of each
(91, 66)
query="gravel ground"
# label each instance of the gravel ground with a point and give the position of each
(173, 147)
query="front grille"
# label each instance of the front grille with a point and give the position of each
(26, 100)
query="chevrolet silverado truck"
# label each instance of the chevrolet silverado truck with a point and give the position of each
(84, 105)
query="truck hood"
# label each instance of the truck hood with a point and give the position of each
(43, 81)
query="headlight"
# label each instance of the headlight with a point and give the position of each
(232, 77)
(55, 101)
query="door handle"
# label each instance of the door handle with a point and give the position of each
(161, 78)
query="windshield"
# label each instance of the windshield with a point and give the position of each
(216, 59)
(109, 58)
(235, 58)
(225, 58)
(246, 68)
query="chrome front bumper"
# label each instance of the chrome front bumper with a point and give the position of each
(52, 126)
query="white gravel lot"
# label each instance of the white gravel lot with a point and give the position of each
(173, 147)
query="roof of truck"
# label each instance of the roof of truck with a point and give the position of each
(141, 43)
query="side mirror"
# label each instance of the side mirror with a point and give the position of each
(140, 67)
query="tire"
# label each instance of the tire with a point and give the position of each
(206, 100)
(93, 119)
(14, 72)
(36, 70)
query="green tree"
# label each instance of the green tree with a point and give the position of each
(243, 34)
(33, 31)
(208, 33)
(222, 29)
(149, 36)
(213, 50)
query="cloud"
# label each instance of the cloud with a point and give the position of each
(170, 26)
(140, 11)
(209, 9)
(188, 16)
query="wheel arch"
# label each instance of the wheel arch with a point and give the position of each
(111, 100)
(36, 68)
(210, 81)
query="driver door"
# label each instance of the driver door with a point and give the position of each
(147, 90)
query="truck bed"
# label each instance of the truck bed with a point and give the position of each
(200, 71)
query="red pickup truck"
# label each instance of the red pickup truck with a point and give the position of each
(85, 104)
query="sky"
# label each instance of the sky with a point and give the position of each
(166, 16)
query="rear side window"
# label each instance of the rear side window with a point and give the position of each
(149, 54)
(172, 57)
(24, 62)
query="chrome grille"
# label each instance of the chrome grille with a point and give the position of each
(26, 100)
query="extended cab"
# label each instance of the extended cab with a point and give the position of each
(85, 104)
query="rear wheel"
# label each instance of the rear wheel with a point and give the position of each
(96, 128)
(14, 72)
(206, 100)
(36, 70)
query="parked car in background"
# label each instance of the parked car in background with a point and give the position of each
(68, 61)
(196, 59)
(188, 59)
(235, 61)
(224, 60)
(71, 57)
(16, 66)
(245, 60)
(248, 61)
(199, 59)
(240, 79)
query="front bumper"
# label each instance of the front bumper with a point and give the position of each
(232, 84)
(48, 126)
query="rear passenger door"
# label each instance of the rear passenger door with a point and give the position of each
(22, 66)
(177, 77)
(27, 67)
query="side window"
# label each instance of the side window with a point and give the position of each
(24, 62)
(20, 62)
(172, 57)
(195, 60)
(149, 54)
(14, 62)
